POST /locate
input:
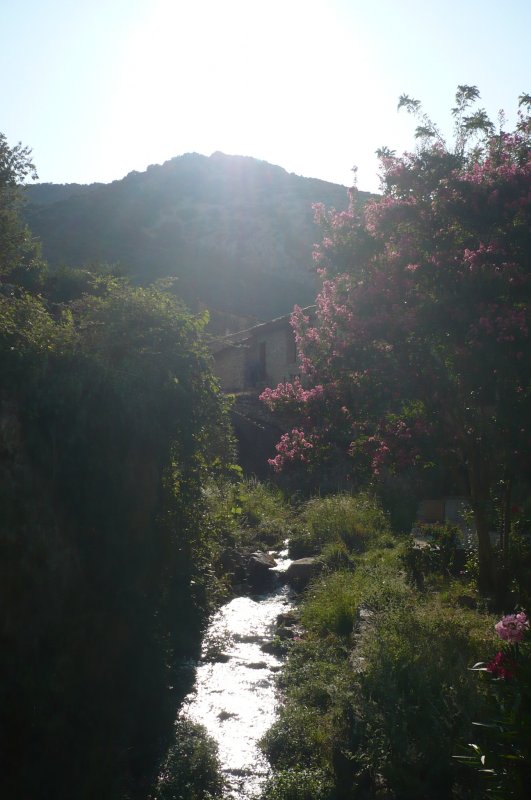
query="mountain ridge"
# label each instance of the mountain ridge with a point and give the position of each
(237, 232)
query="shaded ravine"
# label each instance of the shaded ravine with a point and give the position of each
(234, 695)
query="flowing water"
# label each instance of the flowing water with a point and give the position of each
(234, 697)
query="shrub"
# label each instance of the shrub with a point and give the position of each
(296, 739)
(415, 697)
(191, 770)
(299, 784)
(332, 606)
(336, 556)
(440, 554)
(501, 751)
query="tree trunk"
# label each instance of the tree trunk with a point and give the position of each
(487, 579)
(506, 522)
(478, 474)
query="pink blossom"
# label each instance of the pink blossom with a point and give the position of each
(293, 446)
(500, 666)
(512, 628)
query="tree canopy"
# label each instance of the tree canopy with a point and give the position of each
(20, 260)
(110, 421)
(419, 349)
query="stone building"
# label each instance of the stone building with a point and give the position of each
(264, 355)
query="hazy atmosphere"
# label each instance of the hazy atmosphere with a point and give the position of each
(103, 88)
(265, 440)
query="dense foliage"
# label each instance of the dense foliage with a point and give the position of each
(110, 422)
(418, 351)
(377, 688)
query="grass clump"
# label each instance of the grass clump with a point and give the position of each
(347, 521)
(333, 604)
(265, 517)
(297, 739)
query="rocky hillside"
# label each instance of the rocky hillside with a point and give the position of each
(236, 232)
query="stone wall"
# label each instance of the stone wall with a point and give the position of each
(230, 368)
(273, 354)
(262, 356)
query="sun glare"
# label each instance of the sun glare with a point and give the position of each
(250, 78)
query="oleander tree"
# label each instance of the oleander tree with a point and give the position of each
(419, 349)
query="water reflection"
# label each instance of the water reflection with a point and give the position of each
(234, 697)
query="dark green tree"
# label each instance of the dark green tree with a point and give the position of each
(110, 422)
(20, 260)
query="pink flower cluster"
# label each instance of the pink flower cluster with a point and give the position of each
(289, 393)
(500, 666)
(513, 627)
(293, 446)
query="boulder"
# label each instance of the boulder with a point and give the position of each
(259, 576)
(264, 558)
(300, 572)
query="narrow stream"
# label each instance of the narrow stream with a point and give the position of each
(234, 697)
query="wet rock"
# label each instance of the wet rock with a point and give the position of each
(224, 715)
(260, 576)
(300, 572)
(248, 638)
(285, 633)
(287, 619)
(277, 646)
(273, 648)
(215, 657)
(264, 558)
(257, 665)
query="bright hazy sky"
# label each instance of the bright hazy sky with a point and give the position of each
(101, 87)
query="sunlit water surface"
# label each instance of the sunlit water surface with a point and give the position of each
(235, 699)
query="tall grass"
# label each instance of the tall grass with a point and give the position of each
(382, 673)
(343, 522)
(416, 696)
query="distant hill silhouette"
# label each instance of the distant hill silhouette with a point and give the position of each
(236, 232)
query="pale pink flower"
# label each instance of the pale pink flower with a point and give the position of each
(512, 628)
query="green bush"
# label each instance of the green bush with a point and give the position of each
(297, 738)
(382, 673)
(246, 513)
(110, 420)
(441, 554)
(336, 556)
(317, 674)
(299, 784)
(415, 696)
(333, 605)
(191, 770)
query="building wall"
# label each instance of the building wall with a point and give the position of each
(265, 357)
(272, 354)
(230, 368)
